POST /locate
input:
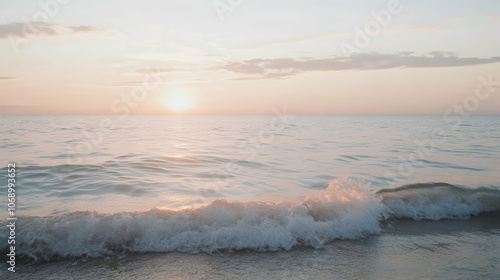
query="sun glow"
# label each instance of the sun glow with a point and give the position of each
(178, 102)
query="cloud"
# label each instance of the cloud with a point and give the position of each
(83, 29)
(7, 78)
(27, 30)
(493, 17)
(452, 18)
(283, 67)
(275, 75)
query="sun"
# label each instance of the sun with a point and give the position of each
(178, 102)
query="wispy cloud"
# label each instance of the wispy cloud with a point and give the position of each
(83, 29)
(283, 67)
(7, 78)
(26, 30)
(493, 17)
(452, 18)
(279, 68)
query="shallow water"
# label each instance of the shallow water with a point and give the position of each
(450, 249)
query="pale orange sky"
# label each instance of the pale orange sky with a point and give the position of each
(422, 59)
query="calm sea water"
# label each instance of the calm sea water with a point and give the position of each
(99, 186)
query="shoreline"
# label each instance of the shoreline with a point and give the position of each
(426, 248)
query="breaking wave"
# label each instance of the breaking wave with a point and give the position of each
(345, 210)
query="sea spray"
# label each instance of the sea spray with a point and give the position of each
(346, 209)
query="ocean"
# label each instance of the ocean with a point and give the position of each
(252, 197)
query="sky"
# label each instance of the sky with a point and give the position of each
(65, 57)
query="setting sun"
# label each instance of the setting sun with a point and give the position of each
(178, 102)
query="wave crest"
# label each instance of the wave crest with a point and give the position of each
(342, 212)
(436, 201)
(345, 210)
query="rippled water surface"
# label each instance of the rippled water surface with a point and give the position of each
(139, 162)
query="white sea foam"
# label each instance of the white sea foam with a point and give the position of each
(345, 210)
